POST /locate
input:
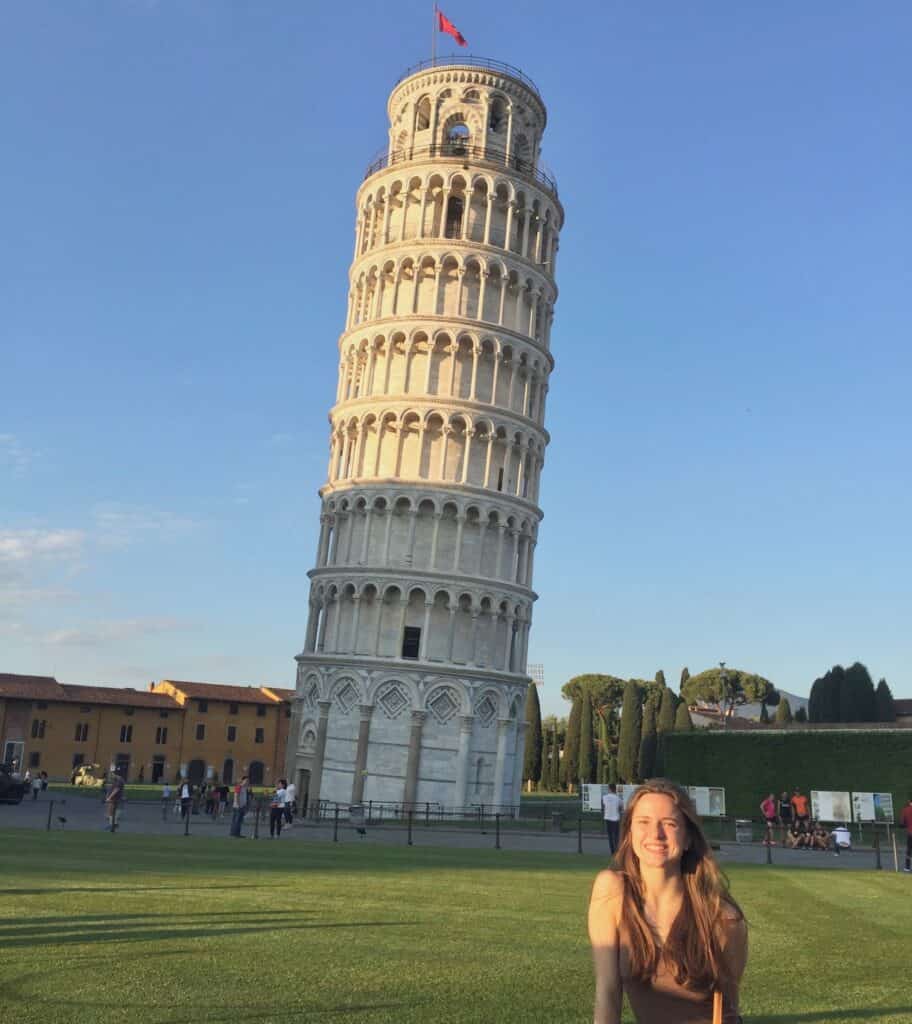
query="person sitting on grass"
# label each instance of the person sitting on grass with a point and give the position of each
(797, 837)
(663, 926)
(821, 837)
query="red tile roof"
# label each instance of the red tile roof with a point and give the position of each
(45, 688)
(218, 691)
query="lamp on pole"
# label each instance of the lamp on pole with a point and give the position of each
(723, 693)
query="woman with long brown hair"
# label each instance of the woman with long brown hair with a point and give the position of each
(663, 926)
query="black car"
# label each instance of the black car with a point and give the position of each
(11, 790)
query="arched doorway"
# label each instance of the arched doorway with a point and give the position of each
(255, 773)
(228, 771)
(195, 771)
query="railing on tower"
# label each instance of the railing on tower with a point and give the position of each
(457, 149)
(471, 62)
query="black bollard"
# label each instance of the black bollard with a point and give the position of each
(410, 816)
(496, 831)
(256, 820)
(336, 825)
(769, 853)
(877, 852)
(579, 834)
(50, 811)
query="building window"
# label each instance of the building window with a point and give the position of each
(232, 709)
(84, 710)
(126, 734)
(411, 641)
(158, 768)
(41, 705)
(129, 711)
(38, 727)
(82, 732)
(202, 706)
(260, 736)
(201, 732)
(78, 759)
(34, 759)
(232, 733)
(261, 711)
(163, 714)
(288, 711)
(161, 735)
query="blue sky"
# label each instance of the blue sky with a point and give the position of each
(729, 472)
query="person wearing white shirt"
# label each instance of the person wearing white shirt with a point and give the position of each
(291, 793)
(611, 812)
(842, 839)
(277, 809)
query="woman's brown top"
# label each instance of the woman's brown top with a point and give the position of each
(664, 1001)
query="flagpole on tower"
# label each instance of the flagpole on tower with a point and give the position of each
(434, 37)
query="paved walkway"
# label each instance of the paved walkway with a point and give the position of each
(86, 813)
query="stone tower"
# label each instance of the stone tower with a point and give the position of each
(411, 683)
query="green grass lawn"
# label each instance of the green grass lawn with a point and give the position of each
(96, 928)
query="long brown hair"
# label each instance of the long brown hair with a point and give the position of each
(693, 949)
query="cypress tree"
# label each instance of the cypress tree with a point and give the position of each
(815, 701)
(555, 773)
(764, 713)
(832, 695)
(660, 678)
(585, 743)
(682, 718)
(801, 715)
(629, 742)
(685, 675)
(532, 761)
(783, 712)
(612, 769)
(570, 764)
(544, 779)
(648, 740)
(886, 711)
(857, 692)
(667, 708)
(604, 749)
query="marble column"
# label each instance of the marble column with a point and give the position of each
(460, 797)
(503, 725)
(414, 758)
(316, 773)
(361, 754)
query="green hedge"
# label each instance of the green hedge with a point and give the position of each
(750, 765)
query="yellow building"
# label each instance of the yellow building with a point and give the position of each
(202, 730)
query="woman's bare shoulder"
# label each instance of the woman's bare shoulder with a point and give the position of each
(608, 884)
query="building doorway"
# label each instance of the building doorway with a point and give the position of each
(255, 773)
(122, 766)
(158, 768)
(228, 771)
(196, 771)
(303, 795)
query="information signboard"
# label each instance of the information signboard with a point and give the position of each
(708, 800)
(830, 805)
(872, 806)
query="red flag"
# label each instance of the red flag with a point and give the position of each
(445, 25)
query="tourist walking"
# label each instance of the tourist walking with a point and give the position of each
(240, 801)
(785, 814)
(769, 811)
(112, 802)
(36, 786)
(664, 928)
(611, 813)
(906, 820)
(277, 810)
(186, 797)
(291, 792)
(166, 800)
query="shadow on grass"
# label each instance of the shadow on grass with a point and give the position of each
(152, 928)
(867, 1013)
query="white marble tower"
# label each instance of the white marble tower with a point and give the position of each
(411, 683)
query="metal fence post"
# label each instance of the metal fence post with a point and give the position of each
(411, 814)
(427, 815)
(186, 819)
(769, 853)
(370, 810)
(878, 865)
(50, 810)
(579, 834)
(336, 825)
(496, 831)
(256, 819)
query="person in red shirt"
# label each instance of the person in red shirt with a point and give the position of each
(906, 819)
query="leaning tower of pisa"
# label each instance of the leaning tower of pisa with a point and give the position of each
(411, 683)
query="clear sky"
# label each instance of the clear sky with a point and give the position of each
(729, 475)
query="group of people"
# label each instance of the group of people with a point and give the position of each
(791, 815)
(37, 782)
(187, 799)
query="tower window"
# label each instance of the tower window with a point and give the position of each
(453, 226)
(500, 479)
(458, 139)
(126, 734)
(232, 733)
(201, 732)
(411, 642)
(424, 115)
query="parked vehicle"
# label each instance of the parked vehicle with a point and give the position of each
(11, 790)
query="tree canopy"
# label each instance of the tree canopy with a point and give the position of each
(726, 688)
(532, 761)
